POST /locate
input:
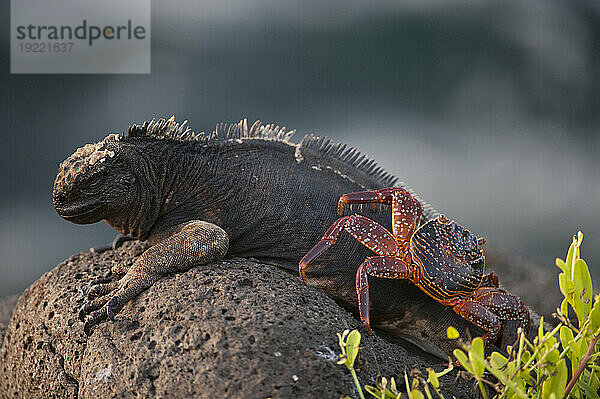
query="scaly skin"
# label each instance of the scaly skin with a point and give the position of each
(238, 191)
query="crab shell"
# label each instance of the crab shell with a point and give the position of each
(448, 259)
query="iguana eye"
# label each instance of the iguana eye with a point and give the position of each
(127, 180)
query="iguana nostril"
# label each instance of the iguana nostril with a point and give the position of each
(59, 197)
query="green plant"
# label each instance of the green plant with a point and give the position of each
(349, 344)
(384, 391)
(539, 369)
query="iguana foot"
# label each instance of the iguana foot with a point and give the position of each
(189, 244)
(118, 271)
(100, 287)
(100, 305)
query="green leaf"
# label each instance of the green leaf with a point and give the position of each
(574, 249)
(432, 378)
(415, 394)
(373, 391)
(568, 341)
(580, 346)
(342, 338)
(553, 356)
(452, 333)
(561, 263)
(564, 305)
(476, 357)
(385, 393)
(550, 342)
(525, 356)
(595, 316)
(497, 361)
(541, 328)
(590, 392)
(594, 380)
(582, 294)
(415, 383)
(352, 343)
(464, 361)
(527, 377)
(393, 385)
(383, 384)
(567, 287)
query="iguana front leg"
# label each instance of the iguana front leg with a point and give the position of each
(190, 244)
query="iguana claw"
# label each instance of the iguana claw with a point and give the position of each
(101, 289)
(112, 307)
(101, 280)
(93, 320)
(95, 312)
(90, 307)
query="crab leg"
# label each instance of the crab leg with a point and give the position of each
(489, 308)
(383, 196)
(368, 232)
(489, 280)
(481, 316)
(328, 239)
(406, 210)
(376, 266)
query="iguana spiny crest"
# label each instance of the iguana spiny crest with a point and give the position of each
(109, 164)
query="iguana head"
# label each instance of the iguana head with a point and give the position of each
(94, 182)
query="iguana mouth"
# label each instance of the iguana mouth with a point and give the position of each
(80, 214)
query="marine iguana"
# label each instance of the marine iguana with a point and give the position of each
(239, 191)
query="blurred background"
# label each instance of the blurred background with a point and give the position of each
(491, 112)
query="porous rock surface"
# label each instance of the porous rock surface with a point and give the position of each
(236, 329)
(7, 305)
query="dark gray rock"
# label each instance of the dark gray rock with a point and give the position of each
(236, 328)
(536, 285)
